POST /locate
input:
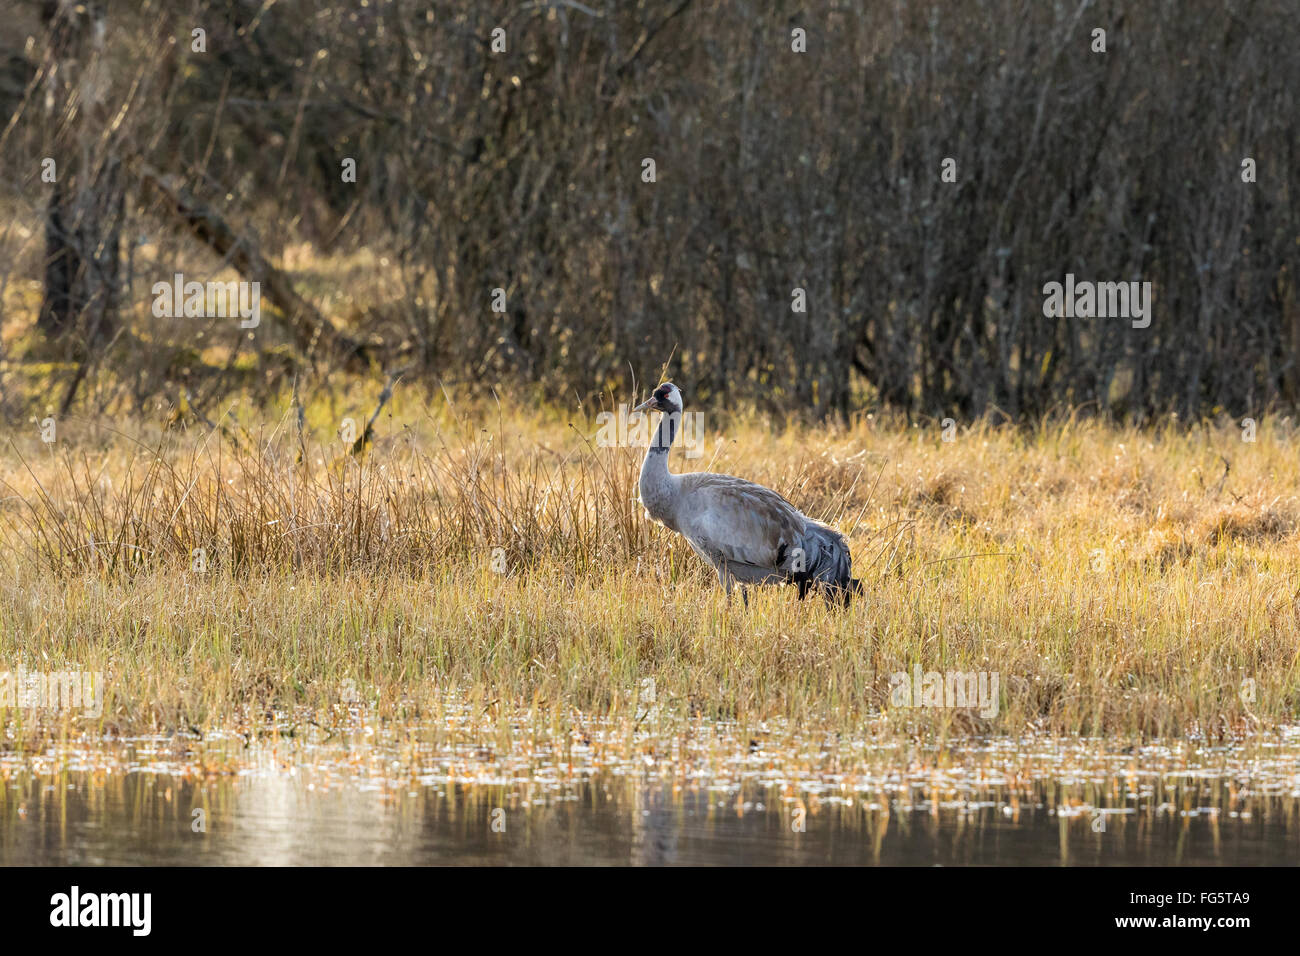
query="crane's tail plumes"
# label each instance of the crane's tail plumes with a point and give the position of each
(828, 565)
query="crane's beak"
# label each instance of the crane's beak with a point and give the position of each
(645, 406)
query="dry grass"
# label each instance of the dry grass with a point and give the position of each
(1117, 580)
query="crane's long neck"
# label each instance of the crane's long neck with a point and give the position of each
(656, 483)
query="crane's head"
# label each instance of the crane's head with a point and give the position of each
(666, 398)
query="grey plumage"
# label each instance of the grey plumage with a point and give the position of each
(748, 533)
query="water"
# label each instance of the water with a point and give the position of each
(353, 802)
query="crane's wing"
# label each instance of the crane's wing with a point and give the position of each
(736, 522)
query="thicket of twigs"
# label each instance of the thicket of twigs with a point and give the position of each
(522, 170)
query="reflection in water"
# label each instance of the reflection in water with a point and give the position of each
(373, 804)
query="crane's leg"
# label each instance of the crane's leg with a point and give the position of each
(728, 582)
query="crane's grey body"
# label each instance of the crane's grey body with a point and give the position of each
(748, 533)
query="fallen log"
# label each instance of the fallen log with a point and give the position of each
(312, 332)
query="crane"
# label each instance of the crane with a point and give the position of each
(748, 533)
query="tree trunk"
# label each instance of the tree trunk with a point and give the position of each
(84, 214)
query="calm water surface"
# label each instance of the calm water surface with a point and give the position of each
(995, 804)
(267, 823)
